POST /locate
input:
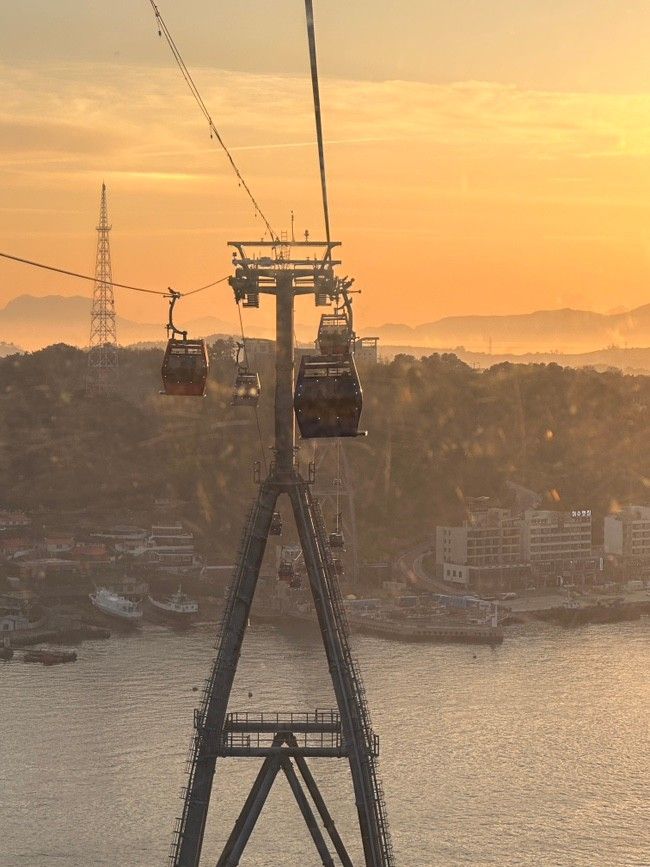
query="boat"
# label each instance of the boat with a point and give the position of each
(112, 605)
(49, 655)
(177, 608)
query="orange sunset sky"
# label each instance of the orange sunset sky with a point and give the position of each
(482, 157)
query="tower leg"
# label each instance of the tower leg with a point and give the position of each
(250, 812)
(307, 813)
(209, 720)
(323, 812)
(345, 678)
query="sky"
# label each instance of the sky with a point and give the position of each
(482, 157)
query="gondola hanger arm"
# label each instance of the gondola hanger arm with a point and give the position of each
(171, 328)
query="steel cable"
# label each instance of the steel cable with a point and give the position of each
(163, 30)
(162, 294)
(311, 37)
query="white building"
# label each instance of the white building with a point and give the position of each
(13, 622)
(122, 538)
(496, 550)
(169, 547)
(12, 520)
(627, 542)
(486, 551)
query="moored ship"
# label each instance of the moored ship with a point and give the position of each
(178, 608)
(115, 606)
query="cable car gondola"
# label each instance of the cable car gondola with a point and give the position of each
(185, 364)
(328, 397)
(247, 388)
(337, 540)
(286, 571)
(246, 391)
(334, 334)
(276, 524)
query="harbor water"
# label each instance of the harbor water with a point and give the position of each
(536, 752)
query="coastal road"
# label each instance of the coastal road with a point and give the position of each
(412, 572)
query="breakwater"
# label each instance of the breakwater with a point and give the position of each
(71, 634)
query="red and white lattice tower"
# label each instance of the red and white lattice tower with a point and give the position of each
(102, 354)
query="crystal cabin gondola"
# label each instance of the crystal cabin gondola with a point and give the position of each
(328, 399)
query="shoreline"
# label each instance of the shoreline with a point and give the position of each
(76, 631)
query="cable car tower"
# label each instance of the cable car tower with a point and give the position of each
(327, 404)
(285, 741)
(102, 353)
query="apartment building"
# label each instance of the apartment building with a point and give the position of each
(497, 550)
(627, 542)
(484, 553)
(558, 545)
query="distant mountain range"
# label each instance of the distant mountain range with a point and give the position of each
(565, 331)
(32, 322)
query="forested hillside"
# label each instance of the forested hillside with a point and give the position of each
(439, 432)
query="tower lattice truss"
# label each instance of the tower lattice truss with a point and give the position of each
(102, 355)
(285, 741)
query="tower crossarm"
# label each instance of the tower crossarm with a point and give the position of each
(261, 267)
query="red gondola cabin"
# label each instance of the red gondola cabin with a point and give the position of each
(185, 368)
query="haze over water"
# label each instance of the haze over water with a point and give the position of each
(536, 753)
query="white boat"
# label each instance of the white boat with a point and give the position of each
(179, 607)
(116, 606)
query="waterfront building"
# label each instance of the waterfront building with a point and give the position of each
(627, 542)
(91, 553)
(558, 546)
(484, 553)
(169, 547)
(123, 539)
(11, 520)
(496, 550)
(13, 622)
(45, 569)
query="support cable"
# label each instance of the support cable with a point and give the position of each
(311, 37)
(207, 286)
(163, 30)
(83, 276)
(159, 292)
